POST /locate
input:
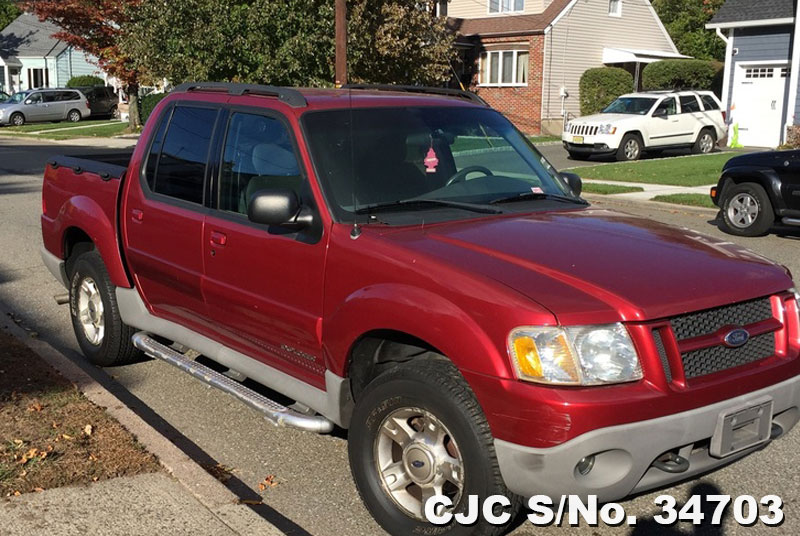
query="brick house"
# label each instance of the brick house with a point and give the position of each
(526, 57)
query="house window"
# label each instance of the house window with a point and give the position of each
(504, 68)
(785, 72)
(759, 72)
(506, 6)
(38, 78)
(615, 8)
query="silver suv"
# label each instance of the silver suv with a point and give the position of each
(44, 105)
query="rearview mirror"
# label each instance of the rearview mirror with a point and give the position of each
(574, 181)
(279, 207)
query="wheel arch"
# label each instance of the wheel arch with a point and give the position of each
(765, 177)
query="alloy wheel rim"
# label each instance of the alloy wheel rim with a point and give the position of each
(90, 312)
(74, 117)
(17, 120)
(417, 458)
(743, 210)
(631, 149)
(706, 143)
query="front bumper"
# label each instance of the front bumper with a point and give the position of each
(589, 148)
(624, 454)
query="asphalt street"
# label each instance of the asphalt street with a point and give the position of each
(315, 492)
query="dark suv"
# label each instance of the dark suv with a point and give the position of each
(758, 190)
(103, 100)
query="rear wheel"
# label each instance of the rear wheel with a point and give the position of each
(17, 119)
(74, 116)
(630, 149)
(104, 339)
(706, 141)
(747, 210)
(417, 432)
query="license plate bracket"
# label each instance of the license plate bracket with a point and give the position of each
(742, 428)
(577, 139)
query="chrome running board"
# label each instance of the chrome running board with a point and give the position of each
(791, 221)
(275, 413)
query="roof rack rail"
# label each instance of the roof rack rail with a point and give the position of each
(292, 97)
(420, 89)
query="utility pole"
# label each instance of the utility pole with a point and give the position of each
(341, 43)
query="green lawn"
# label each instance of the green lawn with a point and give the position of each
(686, 171)
(694, 200)
(608, 189)
(36, 127)
(467, 143)
(100, 131)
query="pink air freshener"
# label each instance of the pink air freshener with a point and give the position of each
(431, 161)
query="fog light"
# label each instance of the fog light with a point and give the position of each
(585, 466)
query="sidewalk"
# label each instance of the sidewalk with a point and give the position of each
(651, 190)
(184, 500)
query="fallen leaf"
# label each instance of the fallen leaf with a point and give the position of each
(65, 436)
(88, 429)
(19, 442)
(92, 457)
(94, 479)
(55, 424)
(38, 490)
(36, 406)
(250, 501)
(17, 494)
(261, 486)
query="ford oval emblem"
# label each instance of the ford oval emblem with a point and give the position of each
(418, 464)
(737, 338)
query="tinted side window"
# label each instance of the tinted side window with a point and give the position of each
(50, 96)
(181, 167)
(72, 96)
(689, 104)
(36, 98)
(669, 105)
(709, 103)
(258, 155)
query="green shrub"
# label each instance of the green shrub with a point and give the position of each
(683, 74)
(601, 86)
(148, 103)
(85, 81)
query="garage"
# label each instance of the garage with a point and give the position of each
(758, 101)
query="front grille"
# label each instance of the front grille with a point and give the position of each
(717, 358)
(693, 325)
(583, 130)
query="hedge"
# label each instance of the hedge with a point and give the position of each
(601, 86)
(683, 74)
(148, 103)
(85, 81)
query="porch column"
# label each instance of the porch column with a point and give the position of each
(7, 78)
(793, 75)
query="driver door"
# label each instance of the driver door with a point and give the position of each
(664, 129)
(36, 109)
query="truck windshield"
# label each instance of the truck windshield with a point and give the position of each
(630, 105)
(455, 154)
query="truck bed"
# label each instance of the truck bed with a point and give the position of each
(106, 166)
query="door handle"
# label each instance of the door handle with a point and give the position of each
(137, 215)
(218, 239)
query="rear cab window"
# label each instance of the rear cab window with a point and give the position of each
(709, 102)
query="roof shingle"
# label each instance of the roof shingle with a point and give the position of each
(510, 24)
(749, 10)
(27, 36)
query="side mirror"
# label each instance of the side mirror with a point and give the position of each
(660, 112)
(29, 101)
(574, 181)
(279, 207)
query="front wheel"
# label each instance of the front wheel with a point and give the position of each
(630, 149)
(17, 119)
(747, 210)
(74, 116)
(418, 432)
(104, 339)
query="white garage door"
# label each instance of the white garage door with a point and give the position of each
(758, 101)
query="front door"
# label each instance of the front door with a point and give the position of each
(36, 109)
(164, 214)
(664, 129)
(758, 104)
(263, 285)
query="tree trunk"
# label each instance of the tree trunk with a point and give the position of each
(134, 120)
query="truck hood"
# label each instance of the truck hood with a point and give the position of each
(594, 266)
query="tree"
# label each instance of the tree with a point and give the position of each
(8, 12)
(290, 42)
(96, 27)
(685, 21)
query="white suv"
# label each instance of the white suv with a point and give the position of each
(648, 121)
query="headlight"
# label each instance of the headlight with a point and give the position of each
(607, 129)
(582, 355)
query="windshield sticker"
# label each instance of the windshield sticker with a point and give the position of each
(431, 161)
(537, 190)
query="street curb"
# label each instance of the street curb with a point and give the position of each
(210, 492)
(658, 204)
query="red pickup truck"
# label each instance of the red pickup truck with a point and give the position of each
(405, 264)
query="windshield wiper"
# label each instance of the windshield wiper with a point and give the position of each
(482, 209)
(525, 196)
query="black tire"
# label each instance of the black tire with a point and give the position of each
(17, 119)
(705, 143)
(114, 346)
(738, 219)
(437, 387)
(630, 148)
(74, 116)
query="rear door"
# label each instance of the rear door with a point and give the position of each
(165, 210)
(264, 285)
(690, 119)
(663, 130)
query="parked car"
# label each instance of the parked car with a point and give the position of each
(36, 105)
(4, 96)
(757, 191)
(479, 328)
(648, 122)
(103, 100)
